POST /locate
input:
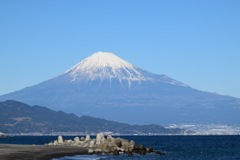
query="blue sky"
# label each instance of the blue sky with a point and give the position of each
(196, 42)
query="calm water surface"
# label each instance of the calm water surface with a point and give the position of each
(175, 147)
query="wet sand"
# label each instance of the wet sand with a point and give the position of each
(37, 152)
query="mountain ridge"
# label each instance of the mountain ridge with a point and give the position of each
(18, 117)
(149, 99)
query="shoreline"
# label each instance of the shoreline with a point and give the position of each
(38, 152)
(78, 146)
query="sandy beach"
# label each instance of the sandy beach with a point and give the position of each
(37, 152)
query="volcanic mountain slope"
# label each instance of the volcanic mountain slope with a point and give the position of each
(106, 86)
(17, 117)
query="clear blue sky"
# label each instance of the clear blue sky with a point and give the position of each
(196, 42)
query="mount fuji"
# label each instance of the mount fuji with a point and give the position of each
(106, 86)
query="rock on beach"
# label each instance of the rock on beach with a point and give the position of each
(78, 146)
(102, 144)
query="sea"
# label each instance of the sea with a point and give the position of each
(175, 147)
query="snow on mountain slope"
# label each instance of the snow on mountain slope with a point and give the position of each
(105, 65)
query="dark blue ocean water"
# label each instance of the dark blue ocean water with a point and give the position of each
(175, 147)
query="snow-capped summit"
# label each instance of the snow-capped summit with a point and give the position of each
(105, 65)
(102, 59)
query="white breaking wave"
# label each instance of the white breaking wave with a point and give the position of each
(81, 157)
